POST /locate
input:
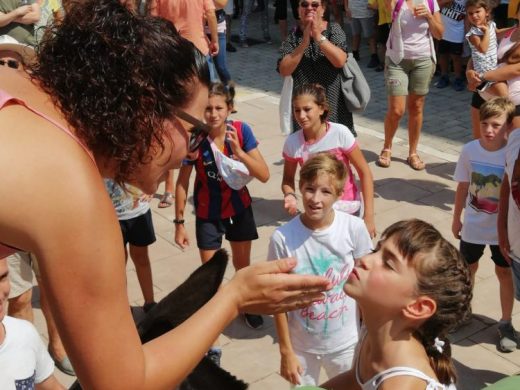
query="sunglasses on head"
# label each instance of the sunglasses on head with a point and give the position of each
(198, 132)
(10, 63)
(314, 4)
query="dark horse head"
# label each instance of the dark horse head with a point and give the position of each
(178, 306)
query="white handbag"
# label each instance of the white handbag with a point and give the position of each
(285, 106)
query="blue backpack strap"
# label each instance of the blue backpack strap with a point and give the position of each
(399, 4)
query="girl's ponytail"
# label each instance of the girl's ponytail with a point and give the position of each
(438, 350)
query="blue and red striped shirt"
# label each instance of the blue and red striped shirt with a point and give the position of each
(213, 198)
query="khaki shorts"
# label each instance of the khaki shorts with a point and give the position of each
(20, 273)
(409, 76)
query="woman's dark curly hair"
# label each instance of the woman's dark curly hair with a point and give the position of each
(116, 77)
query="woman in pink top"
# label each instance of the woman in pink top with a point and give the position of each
(409, 66)
(106, 100)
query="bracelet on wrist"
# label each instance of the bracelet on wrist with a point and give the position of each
(178, 221)
(290, 194)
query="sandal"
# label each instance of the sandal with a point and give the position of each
(385, 157)
(415, 162)
(166, 200)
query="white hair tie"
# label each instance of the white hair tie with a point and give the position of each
(439, 344)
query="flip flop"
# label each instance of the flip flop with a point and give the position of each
(415, 162)
(385, 158)
(64, 365)
(166, 200)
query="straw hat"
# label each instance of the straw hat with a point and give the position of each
(8, 43)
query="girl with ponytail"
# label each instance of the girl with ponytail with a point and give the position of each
(412, 290)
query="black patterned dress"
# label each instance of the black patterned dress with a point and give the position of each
(314, 67)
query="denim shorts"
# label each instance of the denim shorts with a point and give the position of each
(409, 76)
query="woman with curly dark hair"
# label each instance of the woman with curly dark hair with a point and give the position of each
(113, 95)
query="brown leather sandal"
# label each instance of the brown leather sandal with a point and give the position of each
(385, 158)
(415, 162)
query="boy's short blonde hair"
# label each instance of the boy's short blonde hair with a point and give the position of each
(496, 107)
(324, 163)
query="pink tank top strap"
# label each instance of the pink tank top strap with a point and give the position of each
(6, 98)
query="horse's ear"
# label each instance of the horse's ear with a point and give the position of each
(186, 299)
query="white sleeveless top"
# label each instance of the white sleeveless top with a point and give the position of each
(374, 382)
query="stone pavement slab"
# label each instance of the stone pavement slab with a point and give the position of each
(400, 193)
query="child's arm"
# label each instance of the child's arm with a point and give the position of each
(348, 13)
(288, 187)
(51, 383)
(212, 24)
(346, 380)
(252, 159)
(290, 366)
(367, 186)
(181, 194)
(460, 200)
(503, 209)
(481, 42)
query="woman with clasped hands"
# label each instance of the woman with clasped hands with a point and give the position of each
(315, 53)
(102, 102)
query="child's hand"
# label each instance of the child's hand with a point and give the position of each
(234, 142)
(456, 228)
(291, 368)
(371, 225)
(484, 28)
(181, 236)
(290, 204)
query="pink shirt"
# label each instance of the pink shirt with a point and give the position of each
(338, 140)
(188, 18)
(416, 33)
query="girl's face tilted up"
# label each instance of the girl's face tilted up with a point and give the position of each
(383, 278)
(477, 16)
(217, 112)
(307, 112)
(318, 197)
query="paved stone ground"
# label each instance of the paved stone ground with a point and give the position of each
(400, 193)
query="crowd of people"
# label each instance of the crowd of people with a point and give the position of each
(125, 92)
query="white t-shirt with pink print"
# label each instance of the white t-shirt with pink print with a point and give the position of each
(339, 141)
(332, 324)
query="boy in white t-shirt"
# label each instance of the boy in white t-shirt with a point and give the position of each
(324, 242)
(509, 208)
(479, 173)
(24, 361)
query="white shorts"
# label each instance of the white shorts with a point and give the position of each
(20, 273)
(333, 363)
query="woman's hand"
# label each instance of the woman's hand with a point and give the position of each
(266, 288)
(422, 11)
(291, 368)
(181, 236)
(473, 80)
